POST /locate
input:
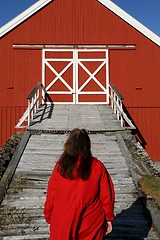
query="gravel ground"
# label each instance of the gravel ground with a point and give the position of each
(7, 151)
(140, 157)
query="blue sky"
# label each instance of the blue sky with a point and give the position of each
(145, 11)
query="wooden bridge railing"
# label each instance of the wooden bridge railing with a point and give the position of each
(116, 102)
(34, 100)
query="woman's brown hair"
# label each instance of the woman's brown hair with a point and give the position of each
(77, 146)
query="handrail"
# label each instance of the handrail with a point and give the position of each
(116, 102)
(116, 92)
(33, 104)
(34, 90)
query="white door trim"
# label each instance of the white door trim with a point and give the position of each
(77, 62)
(45, 62)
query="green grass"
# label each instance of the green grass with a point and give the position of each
(150, 185)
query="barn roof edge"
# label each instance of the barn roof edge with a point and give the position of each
(107, 3)
(23, 16)
(131, 21)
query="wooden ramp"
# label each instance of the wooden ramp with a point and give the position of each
(21, 213)
(51, 118)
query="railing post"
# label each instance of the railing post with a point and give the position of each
(112, 104)
(117, 106)
(38, 98)
(29, 109)
(43, 95)
(118, 112)
(121, 117)
(33, 104)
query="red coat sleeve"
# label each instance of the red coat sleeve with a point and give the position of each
(107, 195)
(49, 203)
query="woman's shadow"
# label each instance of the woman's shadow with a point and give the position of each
(132, 223)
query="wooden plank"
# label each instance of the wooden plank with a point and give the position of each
(26, 195)
(7, 177)
(91, 117)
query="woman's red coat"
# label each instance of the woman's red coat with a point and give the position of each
(77, 209)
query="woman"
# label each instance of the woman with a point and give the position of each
(80, 197)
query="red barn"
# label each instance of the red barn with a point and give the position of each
(75, 48)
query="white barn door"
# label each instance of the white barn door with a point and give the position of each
(76, 76)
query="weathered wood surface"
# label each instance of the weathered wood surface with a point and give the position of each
(7, 176)
(22, 208)
(67, 117)
(21, 213)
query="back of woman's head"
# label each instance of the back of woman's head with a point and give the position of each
(77, 146)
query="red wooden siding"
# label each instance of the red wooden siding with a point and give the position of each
(20, 71)
(147, 120)
(135, 73)
(9, 116)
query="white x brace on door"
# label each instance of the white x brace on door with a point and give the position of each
(76, 75)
